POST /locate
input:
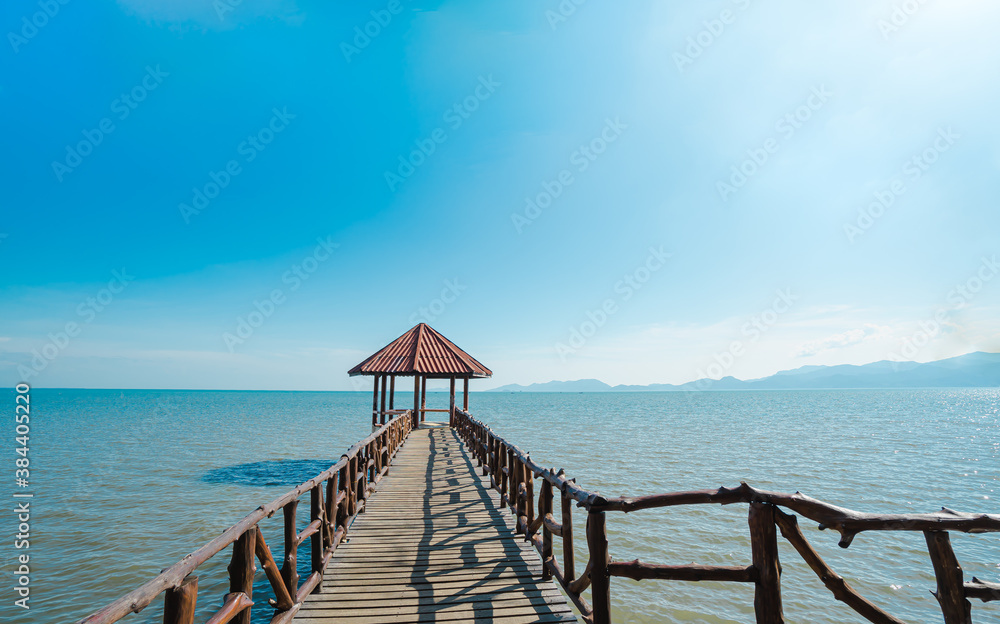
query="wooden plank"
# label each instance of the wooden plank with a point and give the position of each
(434, 545)
(534, 595)
(457, 611)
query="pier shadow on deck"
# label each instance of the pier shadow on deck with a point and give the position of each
(434, 546)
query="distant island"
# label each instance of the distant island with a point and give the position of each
(974, 370)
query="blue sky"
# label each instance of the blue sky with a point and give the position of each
(628, 191)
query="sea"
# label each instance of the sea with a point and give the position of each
(125, 483)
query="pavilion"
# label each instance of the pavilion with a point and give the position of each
(422, 353)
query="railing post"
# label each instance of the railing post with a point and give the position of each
(352, 492)
(330, 521)
(316, 513)
(512, 481)
(600, 582)
(477, 435)
(569, 570)
(764, 546)
(950, 588)
(544, 509)
(241, 570)
(502, 481)
(179, 602)
(490, 459)
(289, 571)
(529, 503)
(343, 508)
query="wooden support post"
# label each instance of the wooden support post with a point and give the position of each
(316, 544)
(392, 392)
(544, 509)
(600, 582)
(502, 474)
(529, 504)
(289, 571)
(512, 481)
(950, 588)
(415, 417)
(179, 602)
(375, 402)
(343, 509)
(451, 404)
(382, 410)
(569, 569)
(352, 491)
(465, 394)
(423, 399)
(331, 511)
(241, 569)
(764, 545)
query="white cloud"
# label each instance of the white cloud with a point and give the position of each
(839, 341)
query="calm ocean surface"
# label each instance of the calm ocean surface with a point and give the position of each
(127, 483)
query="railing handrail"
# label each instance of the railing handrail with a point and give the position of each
(506, 465)
(174, 576)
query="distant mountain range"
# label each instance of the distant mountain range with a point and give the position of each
(974, 370)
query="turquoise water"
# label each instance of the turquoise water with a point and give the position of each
(126, 483)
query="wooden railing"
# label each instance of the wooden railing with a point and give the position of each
(513, 473)
(348, 484)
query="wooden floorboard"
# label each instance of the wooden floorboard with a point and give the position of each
(434, 545)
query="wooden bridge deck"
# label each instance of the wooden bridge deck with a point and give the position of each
(434, 546)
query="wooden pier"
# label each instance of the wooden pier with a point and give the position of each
(450, 522)
(435, 545)
(404, 529)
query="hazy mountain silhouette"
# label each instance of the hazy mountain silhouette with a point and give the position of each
(972, 370)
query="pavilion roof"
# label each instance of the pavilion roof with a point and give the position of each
(421, 351)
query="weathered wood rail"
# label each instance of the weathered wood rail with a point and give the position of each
(340, 493)
(348, 483)
(513, 473)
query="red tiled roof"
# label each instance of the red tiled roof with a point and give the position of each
(422, 351)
